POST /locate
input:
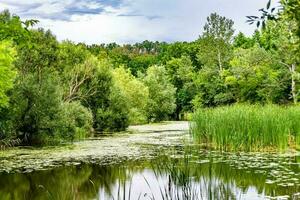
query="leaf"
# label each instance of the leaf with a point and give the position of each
(272, 10)
(268, 4)
(258, 24)
(263, 24)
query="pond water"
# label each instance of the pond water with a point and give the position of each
(147, 162)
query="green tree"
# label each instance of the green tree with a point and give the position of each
(40, 56)
(215, 43)
(280, 38)
(108, 104)
(211, 89)
(135, 92)
(114, 115)
(39, 114)
(12, 28)
(256, 76)
(241, 41)
(181, 72)
(7, 71)
(162, 99)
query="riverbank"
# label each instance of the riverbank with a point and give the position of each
(138, 142)
(157, 160)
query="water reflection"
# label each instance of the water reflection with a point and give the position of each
(203, 175)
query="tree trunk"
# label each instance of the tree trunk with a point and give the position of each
(293, 83)
(220, 62)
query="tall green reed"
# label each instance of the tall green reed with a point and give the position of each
(248, 127)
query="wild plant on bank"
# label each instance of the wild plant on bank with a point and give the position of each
(248, 127)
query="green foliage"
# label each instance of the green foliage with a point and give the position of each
(41, 117)
(12, 28)
(113, 117)
(7, 71)
(41, 54)
(135, 92)
(211, 90)
(241, 41)
(215, 48)
(251, 128)
(54, 91)
(37, 110)
(140, 63)
(78, 119)
(71, 54)
(80, 80)
(162, 99)
(107, 103)
(181, 72)
(255, 77)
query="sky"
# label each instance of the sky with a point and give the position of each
(131, 21)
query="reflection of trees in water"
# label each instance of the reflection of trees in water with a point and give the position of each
(188, 181)
(209, 180)
(64, 183)
(176, 178)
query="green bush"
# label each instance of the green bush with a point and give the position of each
(248, 127)
(135, 92)
(40, 116)
(161, 101)
(114, 117)
(78, 120)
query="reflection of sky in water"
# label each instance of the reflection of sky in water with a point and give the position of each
(146, 185)
(83, 170)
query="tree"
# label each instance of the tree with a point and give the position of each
(107, 103)
(140, 63)
(215, 43)
(36, 113)
(7, 71)
(181, 72)
(281, 40)
(289, 9)
(41, 55)
(162, 99)
(255, 76)
(79, 80)
(12, 28)
(40, 116)
(241, 41)
(285, 23)
(211, 89)
(135, 92)
(114, 116)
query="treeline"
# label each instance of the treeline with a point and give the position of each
(52, 91)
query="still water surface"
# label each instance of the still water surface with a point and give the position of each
(148, 162)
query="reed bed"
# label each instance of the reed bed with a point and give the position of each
(248, 127)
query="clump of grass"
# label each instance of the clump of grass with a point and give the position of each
(248, 127)
(6, 143)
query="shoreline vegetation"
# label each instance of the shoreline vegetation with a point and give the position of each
(59, 91)
(248, 128)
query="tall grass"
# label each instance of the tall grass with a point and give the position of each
(248, 127)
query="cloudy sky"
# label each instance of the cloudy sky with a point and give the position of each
(130, 21)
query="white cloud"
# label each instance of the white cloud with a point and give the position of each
(134, 20)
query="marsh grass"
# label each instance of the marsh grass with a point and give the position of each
(248, 127)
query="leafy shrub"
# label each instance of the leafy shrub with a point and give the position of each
(135, 92)
(161, 102)
(78, 119)
(41, 117)
(114, 117)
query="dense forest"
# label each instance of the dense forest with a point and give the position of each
(52, 91)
